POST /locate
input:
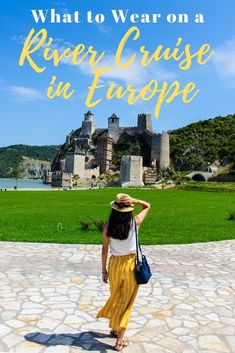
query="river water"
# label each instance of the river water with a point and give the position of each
(9, 183)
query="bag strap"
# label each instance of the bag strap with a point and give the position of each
(137, 242)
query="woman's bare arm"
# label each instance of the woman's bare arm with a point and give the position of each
(105, 248)
(143, 213)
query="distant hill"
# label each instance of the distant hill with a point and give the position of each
(12, 156)
(203, 142)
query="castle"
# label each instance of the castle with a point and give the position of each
(87, 152)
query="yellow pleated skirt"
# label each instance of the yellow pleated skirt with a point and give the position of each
(123, 290)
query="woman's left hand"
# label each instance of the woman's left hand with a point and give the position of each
(105, 277)
(127, 199)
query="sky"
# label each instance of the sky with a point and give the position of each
(29, 117)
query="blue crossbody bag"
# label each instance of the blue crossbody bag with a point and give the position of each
(142, 269)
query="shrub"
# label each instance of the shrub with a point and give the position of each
(99, 225)
(231, 216)
(85, 225)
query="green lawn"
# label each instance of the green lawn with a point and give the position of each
(176, 216)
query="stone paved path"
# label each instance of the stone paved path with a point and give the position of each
(50, 294)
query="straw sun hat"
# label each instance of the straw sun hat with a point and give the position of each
(122, 206)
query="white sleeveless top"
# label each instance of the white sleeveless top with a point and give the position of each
(126, 246)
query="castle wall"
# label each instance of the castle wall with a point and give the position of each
(129, 130)
(75, 164)
(83, 142)
(60, 179)
(62, 164)
(131, 171)
(89, 173)
(160, 150)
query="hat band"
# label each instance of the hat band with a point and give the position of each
(122, 205)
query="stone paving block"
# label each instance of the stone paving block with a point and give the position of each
(57, 349)
(28, 347)
(4, 329)
(11, 339)
(231, 342)
(15, 323)
(153, 348)
(173, 344)
(212, 342)
(48, 322)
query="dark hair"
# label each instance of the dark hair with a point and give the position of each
(119, 224)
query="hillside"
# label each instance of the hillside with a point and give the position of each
(203, 142)
(14, 155)
(191, 147)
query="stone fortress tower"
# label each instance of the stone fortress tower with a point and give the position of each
(160, 150)
(75, 161)
(131, 172)
(144, 122)
(88, 125)
(87, 151)
(113, 127)
(104, 153)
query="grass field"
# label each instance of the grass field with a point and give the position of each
(176, 216)
(211, 186)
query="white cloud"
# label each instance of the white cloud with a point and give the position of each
(21, 93)
(135, 74)
(55, 45)
(103, 28)
(224, 62)
(61, 7)
(59, 3)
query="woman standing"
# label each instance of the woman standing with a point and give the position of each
(119, 236)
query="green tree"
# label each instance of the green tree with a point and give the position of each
(16, 174)
(128, 148)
